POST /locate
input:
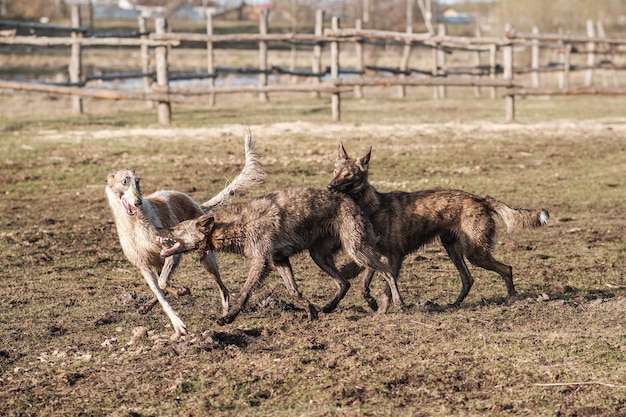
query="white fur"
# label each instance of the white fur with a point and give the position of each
(137, 229)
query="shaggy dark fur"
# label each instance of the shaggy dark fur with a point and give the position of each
(407, 221)
(270, 229)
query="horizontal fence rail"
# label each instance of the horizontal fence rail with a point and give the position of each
(500, 72)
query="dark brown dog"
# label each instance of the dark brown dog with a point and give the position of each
(270, 229)
(407, 221)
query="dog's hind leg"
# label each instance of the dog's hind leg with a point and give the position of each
(209, 261)
(326, 261)
(283, 266)
(484, 259)
(477, 246)
(169, 266)
(351, 270)
(455, 251)
(395, 263)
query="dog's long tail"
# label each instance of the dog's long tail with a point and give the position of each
(518, 218)
(252, 173)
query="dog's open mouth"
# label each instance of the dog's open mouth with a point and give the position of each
(131, 210)
(165, 252)
(172, 246)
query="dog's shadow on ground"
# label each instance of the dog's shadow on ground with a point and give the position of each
(566, 294)
(237, 338)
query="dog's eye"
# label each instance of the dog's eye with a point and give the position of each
(124, 181)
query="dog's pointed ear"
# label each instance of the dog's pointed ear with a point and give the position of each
(206, 222)
(341, 152)
(364, 161)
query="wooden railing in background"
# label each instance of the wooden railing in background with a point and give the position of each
(159, 91)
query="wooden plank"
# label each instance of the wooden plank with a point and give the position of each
(144, 53)
(563, 38)
(210, 55)
(48, 41)
(335, 99)
(430, 82)
(358, 51)
(42, 26)
(76, 60)
(90, 92)
(263, 20)
(164, 107)
(316, 59)
(591, 55)
(406, 49)
(583, 91)
(535, 54)
(255, 89)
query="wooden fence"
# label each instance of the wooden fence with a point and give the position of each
(439, 76)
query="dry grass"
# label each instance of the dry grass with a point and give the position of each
(67, 312)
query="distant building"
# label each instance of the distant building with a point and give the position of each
(452, 16)
(181, 9)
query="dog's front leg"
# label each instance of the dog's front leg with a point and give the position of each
(367, 295)
(169, 266)
(259, 269)
(283, 266)
(209, 261)
(392, 286)
(179, 327)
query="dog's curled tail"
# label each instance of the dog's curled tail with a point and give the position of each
(518, 218)
(252, 174)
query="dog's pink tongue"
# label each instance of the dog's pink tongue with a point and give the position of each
(130, 209)
(165, 252)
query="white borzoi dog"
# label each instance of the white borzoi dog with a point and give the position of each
(137, 219)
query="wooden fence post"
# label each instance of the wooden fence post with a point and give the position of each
(335, 99)
(605, 83)
(441, 60)
(534, 60)
(76, 60)
(164, 108)
(561, 75)
(358, 50)
(144, 52)
(567, 57)
(479, 33)
(316, 58)
(435, 69)
(263, 18)
(210, 57)
(493, 59)
(406, 50)
(591, 54)
(507, 58)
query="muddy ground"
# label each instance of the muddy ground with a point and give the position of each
(73, 343)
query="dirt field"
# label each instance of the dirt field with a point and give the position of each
(68, 303)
